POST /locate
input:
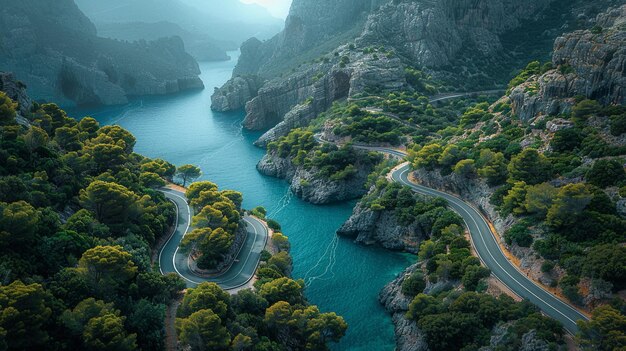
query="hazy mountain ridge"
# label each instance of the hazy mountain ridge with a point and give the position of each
(53, 48)
(201, 47)
(230, 21)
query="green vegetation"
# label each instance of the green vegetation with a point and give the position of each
(275, 316)
(79, 217)
(452, 318)
(365, 127)
(572, 224)
(330, 161)
(188, 173)
(79, 221)
(216, 223)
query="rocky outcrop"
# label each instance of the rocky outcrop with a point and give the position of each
(54, 49)
(433, 33)
(590, 63)
(382, 228)
(16, 90)
(408, 335)
(235, 93)
(294, 101)
(500, 336)
(309, 186)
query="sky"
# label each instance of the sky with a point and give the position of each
(278, 8)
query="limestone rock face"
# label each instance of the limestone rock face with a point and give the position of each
(292, 102)
(235, 93)
(16, 90)
(408, 335)
(591, 63)
(310, 187)
(431, 34)
(382, 228)
(434, 33)
(54, 49)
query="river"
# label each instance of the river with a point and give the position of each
(340, 276)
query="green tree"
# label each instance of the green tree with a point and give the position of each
(413, 284)
(188, 173)
(147, 321)
(606, 331)
(566, 140)
(283, 289)
(539, 198)
(120, 137)
(110, 202)
(7, 109)
(531, 167)
(568, 205)
(422, 305)
(105, 333)
(213, 247)
(465, 168)
(151, 180)
(205, 296)
(586, 108)
(427, 157)
(607, 262)
(198, 187)
(89, 126)
(68, 138)
(23, 315)
(107, 268)
(163, 168)
(513, 202)
(473, 274)
(492, 166)
(19, 225)
(203, 330)
(605, 173)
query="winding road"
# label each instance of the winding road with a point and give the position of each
(238, 275)
(490, 253)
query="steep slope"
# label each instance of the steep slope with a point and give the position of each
(368, 45)
(53, 47)
(589, 63)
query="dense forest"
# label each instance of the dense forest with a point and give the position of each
(80, 219)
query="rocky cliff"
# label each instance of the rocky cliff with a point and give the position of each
(589, 63)
(382, 228)
(309, 186)
(454, 40)
(235, 93)
(408, 335)
(291, 102)
(16, 90)
(54, 49)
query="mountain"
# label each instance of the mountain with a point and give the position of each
(201, 47)
(350, 48)
(54, 49)
(228, 20)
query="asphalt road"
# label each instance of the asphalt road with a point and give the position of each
(241, 271)
(490, 253)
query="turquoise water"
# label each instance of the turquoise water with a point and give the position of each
(340, 275)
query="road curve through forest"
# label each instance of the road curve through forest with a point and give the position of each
(490, 253)
(239, 274)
